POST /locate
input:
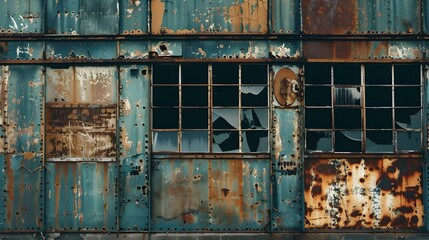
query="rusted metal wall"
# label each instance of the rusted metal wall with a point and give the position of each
(76, 126)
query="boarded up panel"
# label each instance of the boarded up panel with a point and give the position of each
(23, 192)
(328, 17)
(133, 16)
(287, 167)
(285, 16)
(81, 196)
(363, 193)
(211, 16)
(180, 195)
(21, 16)
(239, 195)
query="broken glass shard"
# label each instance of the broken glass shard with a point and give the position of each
(408, 118)
(254, 118)
(347, 96)
(225, 119)
(319, 141)
(194, 141)
(255, 141)
(165, 141)
(225, 141)
(254, 96)
(379, 141)
(348, 141)
(409, 141)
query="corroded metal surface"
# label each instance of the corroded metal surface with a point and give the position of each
(21, 16)
(363, 193)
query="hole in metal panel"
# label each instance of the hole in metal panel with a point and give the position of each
(347, 96)
(194, 118)
(378, 96)
(408, 118)
(407, 96)
(194, 96)
(318, 74)
(319, 141)
(254, 74)
(165, 118)
(348, 141)
(378, 74)
(166, 74)
(408, 141)
(317, 118)
(255, 141)
(379, 141)
(348, 74)
(318, 96)
(225, 119)
(347, 118)
(379, 118)
(225, 141)
(225, 74)
(165, 96)
(194, 141)
(254, 96)
(254, 118)
(225, 96)
(165, 141)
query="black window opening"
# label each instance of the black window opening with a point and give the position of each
(354, 108)
(210, 108)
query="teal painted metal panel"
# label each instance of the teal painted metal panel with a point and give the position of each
(133, 16)
(81, 49)
(406, 50)
(23, 86)
(81, 196)
(389, 16)
(21, 16)
(23, 192)
(285, 49)
(21, 50)
(285, 16)
(62, 17)
(225, 49)
(2, 193)
(180, 195)
(211, 16)
(426, 16)
(287, 169)
(134, 49)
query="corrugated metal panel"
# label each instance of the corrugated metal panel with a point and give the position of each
(21, 50)
(23, 191)
(134, 50)
(391, 16)
(133, 16)
(211, 16)
(287, 168)
(285, 16)
(21, 16)
(81, 196)
(82, 17)
(81, 50)
(425, 12)
(363, 193)
(134, 148)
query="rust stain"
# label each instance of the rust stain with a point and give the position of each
(363, 193)
(286, 87)
(158, 9)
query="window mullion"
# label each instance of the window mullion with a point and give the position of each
(180, 109)
(332, 108)
(363, 109)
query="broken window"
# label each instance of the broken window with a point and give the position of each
(373, 108)
(219, 108)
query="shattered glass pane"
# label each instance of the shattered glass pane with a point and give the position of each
(225, 118)
(166, 74)
(319, 141)
(254, 74)
(379, 118)
(317, 73)
(347, 96)
(408, 118)
(255, 141)
(347, 118)
(194, 96)
(195, 73)
(378, 74)
(165, 141)
(254, 118)
(409, 141)
(254, 96)
(225, 141)
(195, 118)
(348, 141)
(378, 96)
(225, 73)
(194, 141)
(165, 96)
(407, 96)
(318, 96)
(225, 96)
(379, 141)
(318, 118)
(165, 118)
(407, 74)
(347, 74)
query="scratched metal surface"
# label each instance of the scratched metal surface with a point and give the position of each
(22, 50)
(21, 16)
(133, 16)
(73, 50)
(212, 16)
(81, 196)
(363, 193)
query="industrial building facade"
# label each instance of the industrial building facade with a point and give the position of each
(212, 119)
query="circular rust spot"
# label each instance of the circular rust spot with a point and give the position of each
(286, 89)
